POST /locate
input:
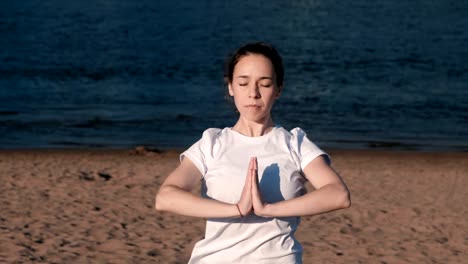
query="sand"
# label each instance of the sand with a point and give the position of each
(97, 206)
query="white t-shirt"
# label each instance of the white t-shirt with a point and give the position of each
(222, 156)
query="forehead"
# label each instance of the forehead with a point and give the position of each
(254, 64)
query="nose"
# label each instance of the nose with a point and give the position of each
(254, 91)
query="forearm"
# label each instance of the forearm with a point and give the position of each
(176, 200)
(328, 198)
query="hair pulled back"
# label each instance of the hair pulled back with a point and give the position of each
(259, 48)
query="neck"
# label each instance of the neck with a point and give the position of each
(253, 128)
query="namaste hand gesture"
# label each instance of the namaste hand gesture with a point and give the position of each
(330, 194)
(251, 198)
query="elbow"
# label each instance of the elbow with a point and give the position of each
(345, 198)
(157, 204)
(159, 201)
(341, 197)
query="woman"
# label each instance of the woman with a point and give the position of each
(252, 174)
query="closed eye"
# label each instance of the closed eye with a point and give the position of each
(266, 84)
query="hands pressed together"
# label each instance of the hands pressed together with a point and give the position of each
(251, 199)
(330, 194)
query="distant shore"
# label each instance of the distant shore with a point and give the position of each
(97, 206)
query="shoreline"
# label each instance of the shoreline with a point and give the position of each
(146, 149)
(82, 205)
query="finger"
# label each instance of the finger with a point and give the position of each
(250, 167)
(248, 177)
(248, 180)
(255, 169)
(254, 178)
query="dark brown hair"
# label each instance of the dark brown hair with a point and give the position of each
(260, 48)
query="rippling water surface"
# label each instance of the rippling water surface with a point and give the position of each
(359, 74)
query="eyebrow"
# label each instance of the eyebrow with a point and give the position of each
(261, 78)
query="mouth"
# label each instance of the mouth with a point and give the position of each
(252, 106)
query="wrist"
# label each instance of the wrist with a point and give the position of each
(239, 210)
(266, 210)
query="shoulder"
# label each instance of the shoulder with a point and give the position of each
(293, 136)
(305, 147)
(199, 153)
(293, 132)
(211, 132)
(299, 136)
(212, 137)
(297, 132)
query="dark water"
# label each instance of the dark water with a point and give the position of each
(116, 74)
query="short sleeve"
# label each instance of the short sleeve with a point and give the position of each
(305, 148)
(199, 152)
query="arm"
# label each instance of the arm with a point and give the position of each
(175, 196)
(331, 194)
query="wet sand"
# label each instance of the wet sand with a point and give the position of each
(97, 206)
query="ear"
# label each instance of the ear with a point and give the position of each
(231, 93)
(278, 92)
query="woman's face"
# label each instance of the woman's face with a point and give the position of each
(254, 87)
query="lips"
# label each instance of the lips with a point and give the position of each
(252, 106)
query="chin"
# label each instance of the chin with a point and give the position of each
(254, 117)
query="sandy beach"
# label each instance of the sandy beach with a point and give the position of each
(97, 206)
